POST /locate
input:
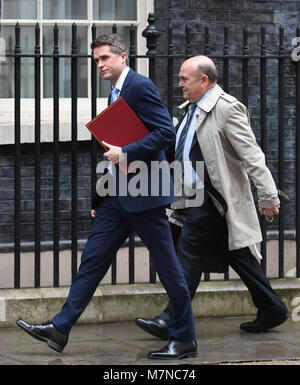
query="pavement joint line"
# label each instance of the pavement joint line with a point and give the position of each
(125, 344)
(273, 360)
(108, 341)
(8, 357)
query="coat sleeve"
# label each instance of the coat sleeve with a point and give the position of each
(156, 118)
(240, 135)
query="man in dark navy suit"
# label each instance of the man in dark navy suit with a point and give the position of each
(117, 215)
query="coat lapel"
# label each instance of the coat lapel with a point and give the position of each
(211, 100)
(208, 105)
(124, 89)
(126, 83)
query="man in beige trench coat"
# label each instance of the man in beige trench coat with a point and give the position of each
(216, 130)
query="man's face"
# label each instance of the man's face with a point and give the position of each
(109, 64)
(193, 86)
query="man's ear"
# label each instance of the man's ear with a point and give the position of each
(124, 56)
(206, 80)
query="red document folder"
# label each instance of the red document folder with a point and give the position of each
(117, 125)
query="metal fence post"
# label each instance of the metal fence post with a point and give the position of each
(298, 165)
(55, 157)
(245, 66)
(74, 92)
(151, 34)
(263, 129)
(37, 208)
(170, 69)
(281, 102)
(17, 158)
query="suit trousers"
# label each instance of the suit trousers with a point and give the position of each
(111, 227)
(204, 228)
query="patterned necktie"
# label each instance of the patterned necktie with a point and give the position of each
(114, 95)
(181, 141)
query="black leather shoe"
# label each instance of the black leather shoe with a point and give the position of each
(175, 350)
(262, 324)
(156, 327)
(45, 332)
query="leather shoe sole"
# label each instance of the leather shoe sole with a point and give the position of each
(50, 343)
(177, 357)
(175, 350)
(154, 328)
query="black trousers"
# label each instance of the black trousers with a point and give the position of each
(204, 230)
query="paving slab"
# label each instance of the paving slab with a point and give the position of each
(220, 341)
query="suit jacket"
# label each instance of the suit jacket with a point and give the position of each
(143, 97)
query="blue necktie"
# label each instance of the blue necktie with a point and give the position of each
(181, 141)
(114, 95)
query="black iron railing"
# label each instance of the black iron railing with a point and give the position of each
(152, 37)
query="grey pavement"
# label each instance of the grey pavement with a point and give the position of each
(220, 341)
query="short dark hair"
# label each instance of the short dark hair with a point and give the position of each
(115, 42)
(208, 70)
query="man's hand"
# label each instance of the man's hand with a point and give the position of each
(93, 213)
(113, 154)
(270, 211)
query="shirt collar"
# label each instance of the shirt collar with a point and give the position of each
(121, 79)
(202, 99)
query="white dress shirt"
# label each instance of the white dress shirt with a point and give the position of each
(191, 179)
